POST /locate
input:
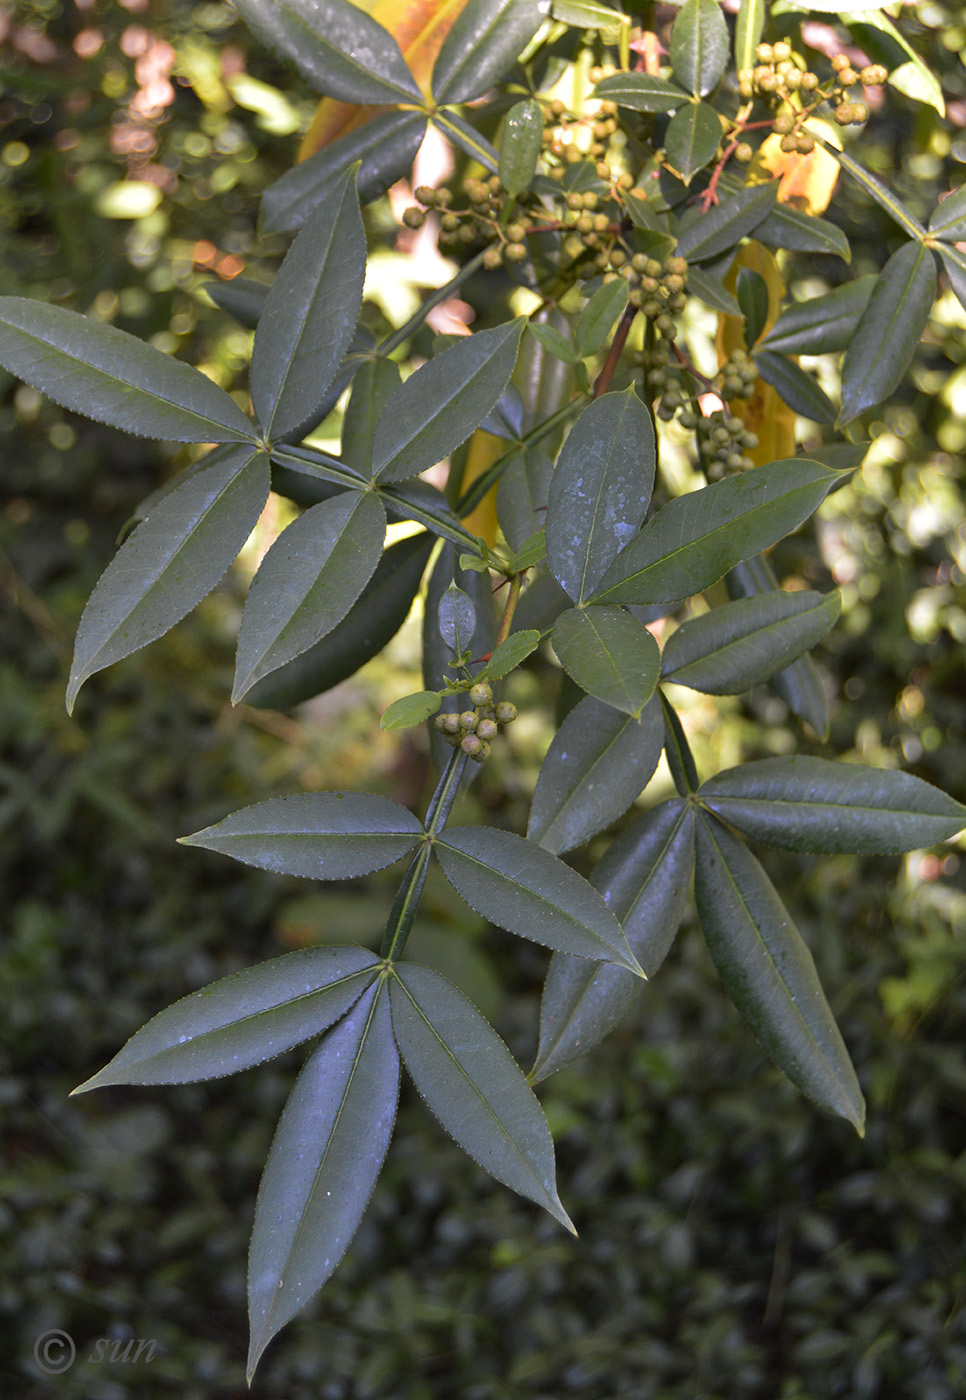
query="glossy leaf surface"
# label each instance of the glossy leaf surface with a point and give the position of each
(890, 329)
(954, 263)
(522, 134)
(599, 491)
(600, 760)
(338, 48)
(822, 324)
(410, 710)
(310, 316)
(173, 560)
(511, 652)
(725, 224)
(692, 137)
(644, 878)
(457, 619)
(473, 1085)
(814, 804)
(524, 889)
(111, 376)
(795, 386)
(699, 45)
(641, 92)
(948, 219)
(307, 582)
(386, 146)
(745, 643)
(521, 496)
(443, 402)
(695, 539)
(599, 316)
(483, 44)
(242, 1020)
(316, 835)
(610, 654)
(327, 1152)
(769, 972)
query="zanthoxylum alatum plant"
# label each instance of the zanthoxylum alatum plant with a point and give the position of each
(637, 179)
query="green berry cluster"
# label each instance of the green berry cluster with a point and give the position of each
(723, 441)
(736, 377)
(848, 113)
(778, 74)
(474, 729)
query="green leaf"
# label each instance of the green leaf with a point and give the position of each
(725, 224)
(640, 92)
(694, 540)
(473, 1085)
(677, 750)
(883, 197)
(316, 835)
(814, 804)
(372, 388)
(310, 315)
(599, 761)
(752, 292)
(520, 146)
(444, 401)
(511, 653)
(768, 972)
(644, 878)
(948, 219)
(173, 559)
(799, 684)
(307, 582)
(822, 324)
(370, 624)
(466, 138)
(113, 377)
(311, 463)
(326, 1155)
(241, 298)
(457, 619)
(521, 496)
(436, 654)
(527, 891)
(410, 710)
(744, 643)
(693, 136)
(588, 14)
(417, 500)
(798, 232)
(879, 38)
(699, 46)
(485, 41)
(338, 48)
(795, 386)
(386, 146)
(610, 654)
(890, 329)
(554, 341)
(531, 553)
(712, 292)
(954, 262)
(242, 1020)
(600, 490)
(749, 27)
(599, 316)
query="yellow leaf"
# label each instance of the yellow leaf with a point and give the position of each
(765, 413)
(419, 28)
(806, 181)
(484, 449)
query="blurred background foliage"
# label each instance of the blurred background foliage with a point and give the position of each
(734, 1242)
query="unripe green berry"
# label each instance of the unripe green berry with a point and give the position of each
(744, 153)
(449, 223)
(506, 712)
(782, 51)
(469, 719)
(492, 256)
(765, 53)
(472, 746)
(843, 113)
(860, 112)
(449, 723)
(414, 218)
(481, 694)
(653, 268)
(788, 144)
(678, 267)
(848, 77)
(784, 123)
(487, 729)
(515, 252)
(516, 232)
(467, 234)
(839, 61)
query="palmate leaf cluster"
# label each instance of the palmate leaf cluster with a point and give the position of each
(594, 551)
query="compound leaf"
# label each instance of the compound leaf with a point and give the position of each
(326, 1155)
(242, 1020)
(769, 973)
(111, 376)
(174, 558)
(644, 878)
(307, 582)
(528, 891)
(317, 835)
(309, 316)
(599, 491)
(600, 760)
(815, 804)
(473, 1085)
(443, 402)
